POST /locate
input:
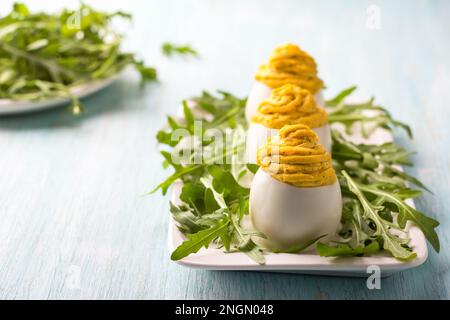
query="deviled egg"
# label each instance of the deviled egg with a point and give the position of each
(287, 64)
(287, 105)
(295, 196)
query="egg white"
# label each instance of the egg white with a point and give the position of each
(257, 136)
(289, 215)
(261, 92)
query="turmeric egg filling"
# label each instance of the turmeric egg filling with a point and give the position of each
(296, 157)
(289, 64)
(289, 105)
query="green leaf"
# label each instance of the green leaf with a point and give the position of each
(188, 117)
(21, 9)
(210, 219)
(170, 49)
(217, 196)
(168, 157)
(403, 126)
(173, 123)
(340, 97)
(192, 193)
(367, 114)
(185, 218)
(211, 204)
(391, 243)
(249, 247)
(147, 73)
(225, 184)
(369, 161)
(252, 167)
(409, 178)
(200, 239)
(245, 243)
(301, 247)
(174, 177)
(425, 223)
(165, 138)
(343, 250)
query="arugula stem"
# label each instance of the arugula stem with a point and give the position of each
(47, 63)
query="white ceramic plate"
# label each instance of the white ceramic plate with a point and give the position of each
(306, 262)
(24, 106)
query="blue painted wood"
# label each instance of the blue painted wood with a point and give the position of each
(73, 221)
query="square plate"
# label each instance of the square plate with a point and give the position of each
(306, 262)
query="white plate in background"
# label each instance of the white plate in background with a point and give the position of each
(9, 107)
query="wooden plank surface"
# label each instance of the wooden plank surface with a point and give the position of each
(73, 221)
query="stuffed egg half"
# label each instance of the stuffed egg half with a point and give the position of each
(288, 64)
(287, 105)
(295, 196)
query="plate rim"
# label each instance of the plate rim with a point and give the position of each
(12, 107)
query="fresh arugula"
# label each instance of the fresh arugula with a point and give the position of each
(214, 200)
(301, 247)
(381, 228)
(368, 115)
(44, 55)
(375, 188)
(214, 195)
(406, 212)
(170, 49)
(346, 250)
(202, 239)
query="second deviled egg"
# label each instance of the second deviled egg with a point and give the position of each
(295, 195)
(287, 64)
(287, 105)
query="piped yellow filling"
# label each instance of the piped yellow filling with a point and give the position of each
(289, 64)
(289, 105)
(296, 157)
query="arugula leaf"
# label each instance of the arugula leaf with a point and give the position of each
(369, 115)
(425, 223)
(252, 167)
(195, 241)
(21, 10)
(224, 182)
(188, 117)
(178, 174)
(211, 204)
(193, 194)
(340, 97)
(217, 196)
(391, 242)
(170, 49)
(147, 73)
(375, 163)
(325, 250)
(299, 248)
(186, 219)
(244, 243)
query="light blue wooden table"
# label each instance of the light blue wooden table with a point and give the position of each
(72, 221)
